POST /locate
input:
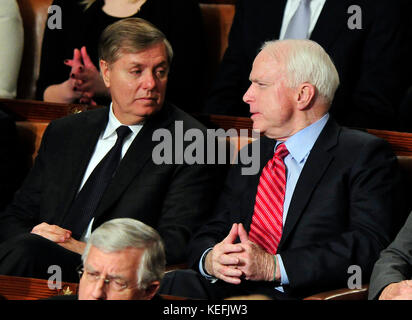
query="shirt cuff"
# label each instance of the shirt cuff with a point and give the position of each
(201, 267)
(284, 280)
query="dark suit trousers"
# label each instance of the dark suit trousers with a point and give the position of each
(191, 284)
(30, 255)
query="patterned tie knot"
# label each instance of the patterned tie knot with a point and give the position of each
(122, 132)
(281, 151)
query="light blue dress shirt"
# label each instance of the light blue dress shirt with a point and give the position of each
(299, 146)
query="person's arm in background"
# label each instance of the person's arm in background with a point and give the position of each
(391, 273)
(54, 83)
(12, 39)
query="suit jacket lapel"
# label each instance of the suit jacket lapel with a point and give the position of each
(138, 154)
(331, 22)
(272, 26)
(315, 167)
(79, 152)
(267, 150)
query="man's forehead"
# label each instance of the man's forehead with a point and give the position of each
(265, 66)
(155, 54)
(98, 259)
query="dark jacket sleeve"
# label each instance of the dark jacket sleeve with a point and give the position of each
(22, 214)
(57, 46)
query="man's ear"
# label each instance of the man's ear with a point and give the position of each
(151, 290)
(305, 95)
(105, 72)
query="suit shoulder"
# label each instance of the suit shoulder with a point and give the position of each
(359, 137)
(354, 140)
(77, 119)
(189, 121)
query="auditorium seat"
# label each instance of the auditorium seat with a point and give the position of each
(19, 288)
(34, 15)
(217, 20)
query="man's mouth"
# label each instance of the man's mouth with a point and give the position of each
(254, 115)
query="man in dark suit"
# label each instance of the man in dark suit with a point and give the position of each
(391, 276)
(335, 204)
(42, 227)
(366, 40)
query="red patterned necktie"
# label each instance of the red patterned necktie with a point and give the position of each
(266, 227)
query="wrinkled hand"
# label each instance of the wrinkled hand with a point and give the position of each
(60, 236)
(220, 264)
(397, 291)
(52, 232)
(255, 263)
(87, 78)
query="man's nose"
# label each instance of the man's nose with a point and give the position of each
(99, 290)
(247, 97)
(149, 81)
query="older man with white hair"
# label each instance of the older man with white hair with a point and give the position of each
(325, 197)
(124, 260)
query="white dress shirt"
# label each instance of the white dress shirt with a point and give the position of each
(106, 141)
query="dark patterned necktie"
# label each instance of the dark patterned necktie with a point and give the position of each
(87, 200)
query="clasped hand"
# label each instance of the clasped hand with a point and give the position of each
(232, 262)
(85, 80)
(397, 291)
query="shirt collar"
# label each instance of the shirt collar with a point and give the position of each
(114, 123)
(301, 143)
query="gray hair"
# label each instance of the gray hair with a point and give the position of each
(88, 3)
(306, 61)
(131, 35)
(118, 234)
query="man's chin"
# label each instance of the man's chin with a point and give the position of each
(148, 110)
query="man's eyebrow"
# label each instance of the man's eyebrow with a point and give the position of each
(89, 268)
(257, 80)
(140, 64)
(162, 64)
